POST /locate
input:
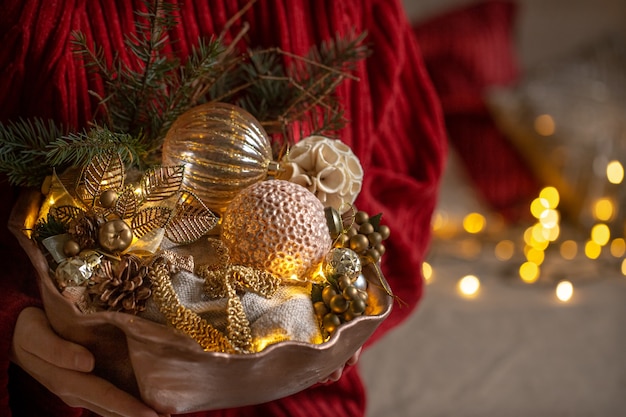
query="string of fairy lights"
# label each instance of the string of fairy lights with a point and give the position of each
(549, 252)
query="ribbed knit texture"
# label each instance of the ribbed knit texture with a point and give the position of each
(396, 130)
(467, 51)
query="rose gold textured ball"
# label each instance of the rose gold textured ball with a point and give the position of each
(277, 226)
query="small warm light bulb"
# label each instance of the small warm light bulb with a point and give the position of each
(504, 250)
(535, 256)
(552, 234)
(569, 249)
(564, 291)
(427, 272)
(538, 206)
(529, 272)
(615, 172)
(592, 249)
(469, 285)
(618, 247)
(544, 125)
(600, 234)
(551, 195)
(474, 223)
(539, 236)
(528, 235)
(603, 209)
(549, 218)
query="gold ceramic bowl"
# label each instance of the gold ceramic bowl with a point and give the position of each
(168, 370)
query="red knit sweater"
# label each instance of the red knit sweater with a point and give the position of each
(396, 131)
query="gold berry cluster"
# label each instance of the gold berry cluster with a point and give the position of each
(365, 236)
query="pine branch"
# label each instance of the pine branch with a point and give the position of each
(323, 69)
(23, 150)
(76, 149)
(143, 99)
(305, 91)
(203, 68)
(134, 91)
(148, 82)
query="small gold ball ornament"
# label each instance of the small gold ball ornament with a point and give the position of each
(277, 226)
(108, 198)
(115, 236)
(71, 248)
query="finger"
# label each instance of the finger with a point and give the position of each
(354, 358)
(49, 346)
(334, 377)
(88, 391)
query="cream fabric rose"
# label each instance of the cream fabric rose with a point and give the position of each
(328, 168)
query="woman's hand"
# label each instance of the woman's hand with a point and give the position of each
(65, 369)
(334, 377)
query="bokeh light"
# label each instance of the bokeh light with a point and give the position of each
(551, 195)
(603, 209)
(469, 285)
(600, 234)
(618, 247)
(535, 256)
(564, 291)
(474, 223)
(615, 172)
(592, 249)
(504, 250)
(529, 272)
(538, 206)
(544, 125)
(427, 272)
(568, 249)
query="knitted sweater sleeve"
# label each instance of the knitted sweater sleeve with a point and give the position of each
(395, 127)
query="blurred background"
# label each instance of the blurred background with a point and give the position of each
(524, 312)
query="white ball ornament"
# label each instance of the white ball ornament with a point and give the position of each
(277, 226)
(328, 168)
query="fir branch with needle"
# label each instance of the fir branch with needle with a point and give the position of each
(304, 91)
(134, 91)
(76, 149)
(24, 150)
(142, 98)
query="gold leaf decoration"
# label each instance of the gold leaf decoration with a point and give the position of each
(65, 214)
(191, 221)
(149, 219)
(127, 203)
(162, 182)
(103, 172)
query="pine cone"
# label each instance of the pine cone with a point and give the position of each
(121, 285)
(84, 230)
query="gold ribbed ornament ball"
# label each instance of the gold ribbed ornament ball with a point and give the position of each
(277, 226)
(224, 149)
